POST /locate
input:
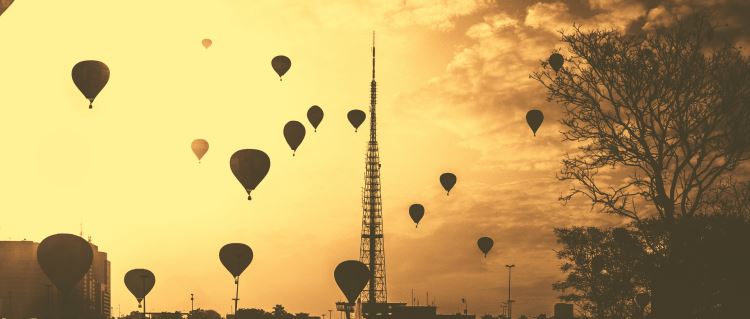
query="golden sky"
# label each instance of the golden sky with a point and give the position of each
(453, 89)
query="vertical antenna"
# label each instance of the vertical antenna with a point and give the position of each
(373, 55)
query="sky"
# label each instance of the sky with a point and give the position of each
(453, 90)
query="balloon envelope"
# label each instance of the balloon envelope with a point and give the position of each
(448, 180)
(249, 166)
(485, 245)
(294, 133)
(556, 61)
(356, 117)
(416, 211)
(207, 43)
(351, 277)
(200, 147)
(4, 4)
(281, 64)
(534, 118)
(65, 259)
(236, 257)
(90, 77)
(315, 116)
(139, 282)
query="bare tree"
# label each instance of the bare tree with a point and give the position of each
(668, 108)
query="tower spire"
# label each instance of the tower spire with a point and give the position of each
(372, 248)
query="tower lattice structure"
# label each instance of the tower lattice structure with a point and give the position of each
(372, 249)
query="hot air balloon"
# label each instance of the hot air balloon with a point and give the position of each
(485, 245)
(448, 180)
(356, 117)
(236, 257)
(535, 119)
(281, 64)
(140, 282)
(315, 116)
(294, 133)
(90, 77)
(4, 4)
(200, 147)
(249, 166)
(351, 277)
(416, 211)
(65, 259)
(642, 299)
(556, 61)
(207, 43)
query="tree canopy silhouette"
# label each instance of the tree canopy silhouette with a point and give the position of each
(669, 107)
(659, 119)
(608, 292)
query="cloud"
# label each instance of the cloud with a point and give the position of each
(557, 16)
(435, 14)
(508, 187)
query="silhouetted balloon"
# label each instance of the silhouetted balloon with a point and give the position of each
(356, 117)
(236, 257)
(485, 245)
(294, 133)
(139, 282)
(207, 43)
(642, 299)
(90, 77)
(249, 166)
(351, 277)
(4, 4)
(65, 259)
(200, 147)
(281, 64)
(315, 116)
(556, 61)
(534, 118)
(416, 211)
(448, 180)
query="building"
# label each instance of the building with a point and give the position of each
(26, 292)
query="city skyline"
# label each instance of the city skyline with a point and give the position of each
(453, 93)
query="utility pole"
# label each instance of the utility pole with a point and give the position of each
(236, 294)
(192, 304)
(510, 306)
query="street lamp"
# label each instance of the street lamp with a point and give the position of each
(510, 306)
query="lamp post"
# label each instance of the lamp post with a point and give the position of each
(510, 306)
(192, 304)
